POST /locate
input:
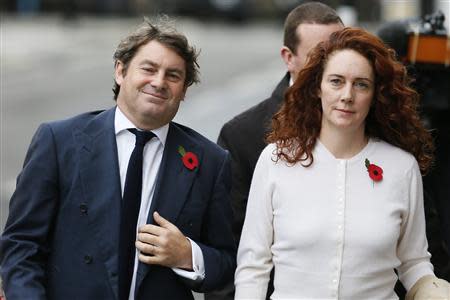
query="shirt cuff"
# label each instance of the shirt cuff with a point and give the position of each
(198, 264)
(415, 273)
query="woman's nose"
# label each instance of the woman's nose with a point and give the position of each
(347, 93)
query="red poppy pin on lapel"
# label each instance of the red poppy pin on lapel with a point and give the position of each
(375, 172)
(189, 159)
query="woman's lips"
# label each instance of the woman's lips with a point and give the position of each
(345, 111)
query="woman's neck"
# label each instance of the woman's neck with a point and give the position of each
(343, 145)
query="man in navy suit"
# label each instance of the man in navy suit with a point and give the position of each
(64, 235)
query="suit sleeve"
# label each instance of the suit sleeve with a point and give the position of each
(241, 177)
(25, 241)
(217, 243)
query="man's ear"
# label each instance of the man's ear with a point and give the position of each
(287, 56)
(119, 72)
(184, 93)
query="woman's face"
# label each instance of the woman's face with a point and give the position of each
(346, 91)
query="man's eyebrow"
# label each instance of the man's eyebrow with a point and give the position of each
(148, 62)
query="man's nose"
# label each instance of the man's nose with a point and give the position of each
(158, 80)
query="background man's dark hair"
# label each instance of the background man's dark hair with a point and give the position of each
(310, 13)
(164, 33)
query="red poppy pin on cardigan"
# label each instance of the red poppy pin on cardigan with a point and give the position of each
(189, 159)
(375, 172)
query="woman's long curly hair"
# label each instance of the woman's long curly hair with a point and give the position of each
(393, 116)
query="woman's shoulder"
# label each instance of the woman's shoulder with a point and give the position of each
(270, 149)
(393, 155)
(269, 153)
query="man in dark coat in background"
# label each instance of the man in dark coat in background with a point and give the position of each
(244, 135)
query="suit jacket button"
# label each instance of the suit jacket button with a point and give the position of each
(87, 259)
(83, 208)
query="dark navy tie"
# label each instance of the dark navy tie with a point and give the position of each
(131, 203)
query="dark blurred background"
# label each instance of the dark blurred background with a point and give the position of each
(235, 10)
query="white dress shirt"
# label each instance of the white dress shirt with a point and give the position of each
(330, 231)
(152, 157)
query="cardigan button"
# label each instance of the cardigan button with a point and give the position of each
(84, 208)
(88, 259)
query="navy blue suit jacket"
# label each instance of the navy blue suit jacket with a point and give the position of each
(61, 236)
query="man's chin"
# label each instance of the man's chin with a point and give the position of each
(156, 117)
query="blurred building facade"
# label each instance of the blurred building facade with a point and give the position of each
(366, 11)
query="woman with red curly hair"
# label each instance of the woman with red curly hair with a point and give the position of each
(336, 201)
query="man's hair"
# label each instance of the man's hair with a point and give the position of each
(307, 13)
(162, 32)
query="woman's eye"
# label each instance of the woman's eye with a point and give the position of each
(335, 81)
(362, 85)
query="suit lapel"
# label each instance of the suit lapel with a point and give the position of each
(173, 183)
(280, 90)
(174, 179)
(99, 173)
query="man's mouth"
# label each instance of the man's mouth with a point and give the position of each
(154, 93)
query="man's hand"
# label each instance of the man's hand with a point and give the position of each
(429, 287)
(164, 245)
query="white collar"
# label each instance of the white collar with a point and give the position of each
(121, 123)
